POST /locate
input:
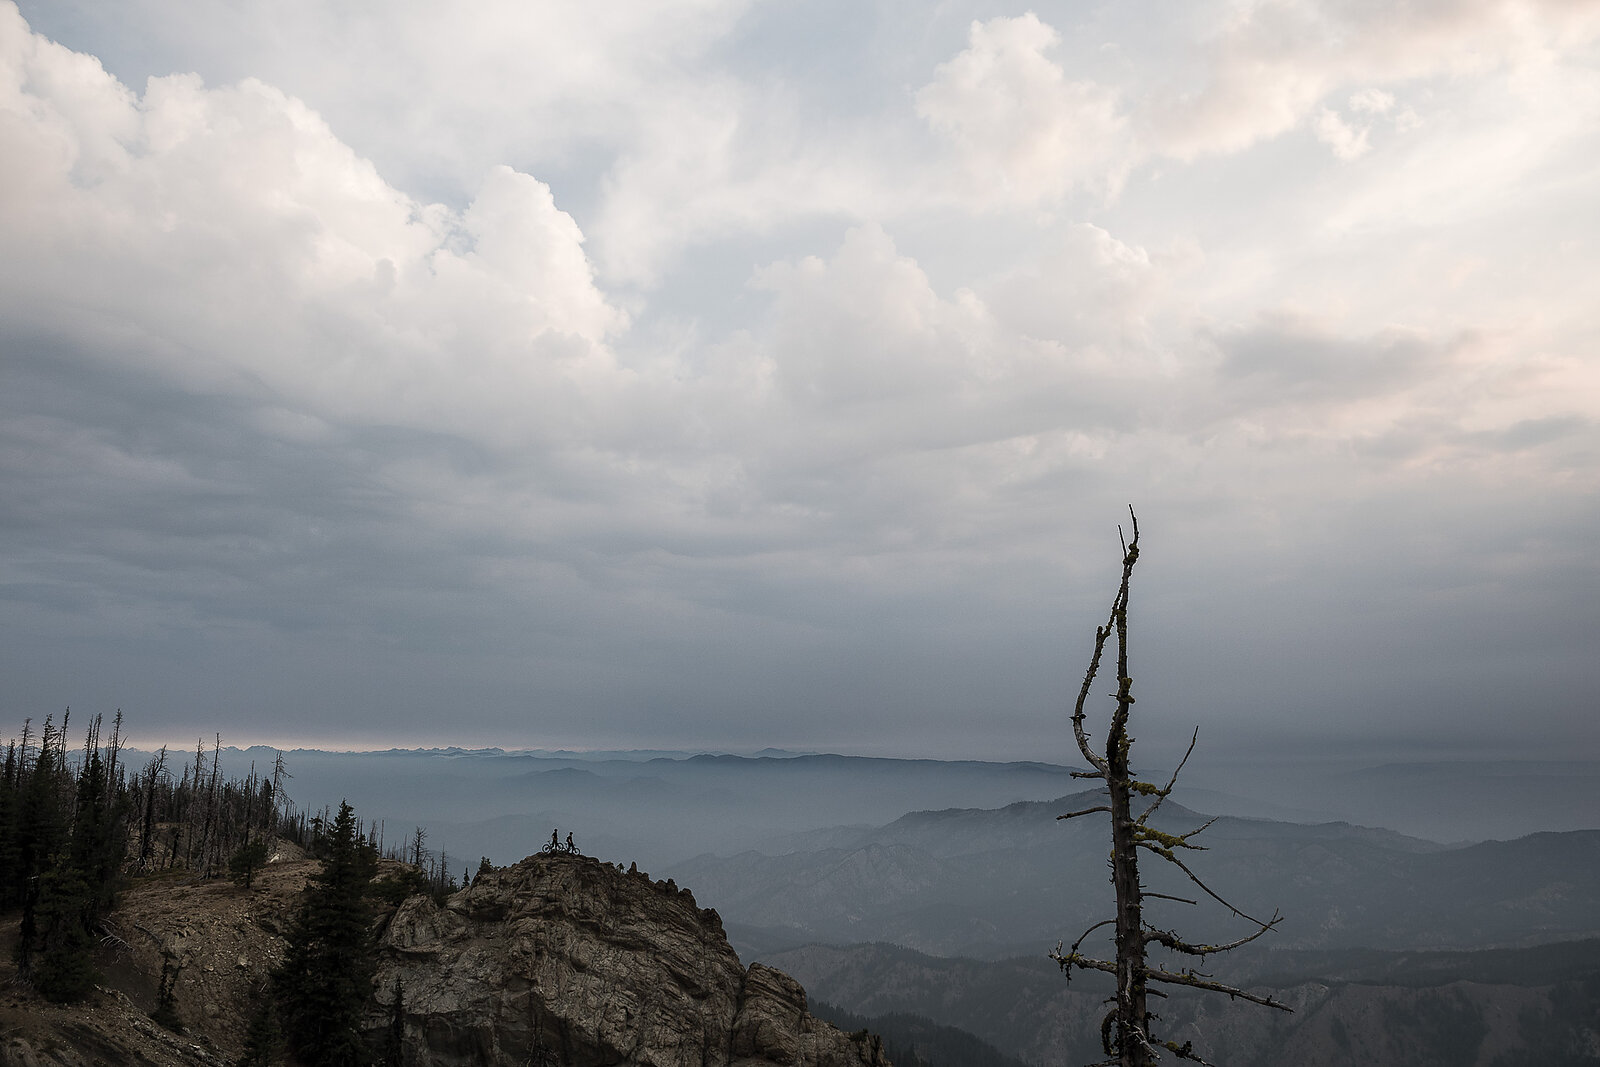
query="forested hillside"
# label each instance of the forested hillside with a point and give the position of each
(76, 821)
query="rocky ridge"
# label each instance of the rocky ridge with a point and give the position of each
(596, 966)
(557, 959)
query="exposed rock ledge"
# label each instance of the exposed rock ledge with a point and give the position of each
(596, 967)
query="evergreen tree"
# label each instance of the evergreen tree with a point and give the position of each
(64, 968)
(98, 839)
(67, 847)
(326, 979)
(246, 861)
(41, 828)
(80, 885)
(9, 856)
(394, 1038)
(262, 1039)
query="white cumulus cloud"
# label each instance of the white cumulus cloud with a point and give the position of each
(1023, 130)
(1347, 142)
(226, 238)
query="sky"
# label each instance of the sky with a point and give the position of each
(729, 374)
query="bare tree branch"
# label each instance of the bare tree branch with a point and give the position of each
(1185, 1051)
(1162, 843)
(1143, 1039)
(1085, 963)
(1162, 794)
(1194, 981)
(1096, 761)
(1177, 944)
(1208, 891)
(1085, 811)
(1086, 933)
(1164, 896)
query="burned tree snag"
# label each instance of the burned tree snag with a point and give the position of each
(1125, 1033)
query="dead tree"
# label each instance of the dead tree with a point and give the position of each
(1125, 1033)
(282, 809)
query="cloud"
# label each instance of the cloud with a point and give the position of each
(225, 238)
(1272, 62)
(1372, 102)
(627, 113)
(870, 361)
(746, 387)
(1287, 361)
(434, 98)
(1499, 141)
(1090, 290)
(722, 160)
(867, 327)
(1024, 132)
(1346, 141)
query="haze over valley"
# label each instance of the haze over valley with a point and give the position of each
(898, 890)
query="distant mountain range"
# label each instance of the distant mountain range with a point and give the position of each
(665, 808)
(656, 811)
(991, 883)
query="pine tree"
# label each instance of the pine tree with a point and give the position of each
(56, 942)
(98, 839)
(63, 969)
(10, 858)
(41, 829)
(262, 1039)
(67, 848)
(394, 1038)
(246, 861)
(326, 979)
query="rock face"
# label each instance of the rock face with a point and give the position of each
(571, 960)
(559, 960)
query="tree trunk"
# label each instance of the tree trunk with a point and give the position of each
(1132, 1009)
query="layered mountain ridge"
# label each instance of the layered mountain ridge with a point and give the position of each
(997, 882)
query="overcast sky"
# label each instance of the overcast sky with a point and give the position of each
(728, 374)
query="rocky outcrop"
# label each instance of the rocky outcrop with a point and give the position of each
(575, 961)
(556, 960)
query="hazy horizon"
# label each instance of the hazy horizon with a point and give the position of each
(651, 804)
